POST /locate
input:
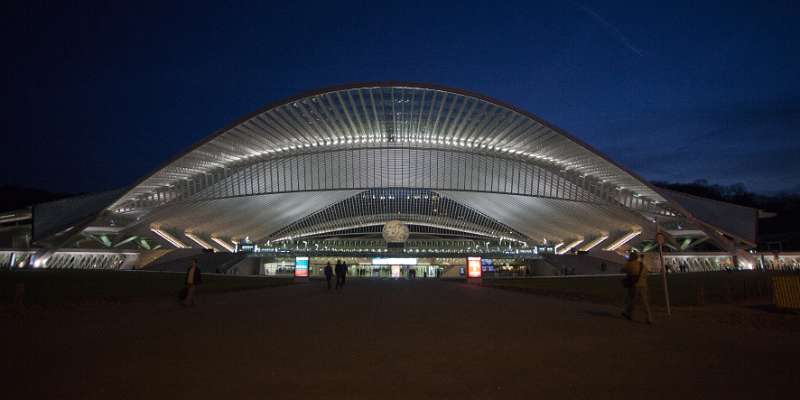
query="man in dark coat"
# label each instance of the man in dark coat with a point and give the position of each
(328, 274)
(341, 272)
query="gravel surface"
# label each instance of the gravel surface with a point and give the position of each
(394, 339)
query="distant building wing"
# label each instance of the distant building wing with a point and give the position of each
(734, 220)
(55, 216)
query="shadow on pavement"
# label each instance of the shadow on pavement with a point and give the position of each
(771, 308)
(608, 314)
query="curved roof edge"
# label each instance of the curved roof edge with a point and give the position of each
(655, 192)
(685, 210)
(398, 84)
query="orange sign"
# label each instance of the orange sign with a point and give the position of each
(473, 267)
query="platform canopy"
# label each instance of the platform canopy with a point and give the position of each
(354, 157)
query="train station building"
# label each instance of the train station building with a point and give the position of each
(393, 177)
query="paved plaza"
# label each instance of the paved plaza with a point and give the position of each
(393, 339)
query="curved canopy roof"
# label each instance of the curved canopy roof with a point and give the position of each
(400, 114)
(498, 166)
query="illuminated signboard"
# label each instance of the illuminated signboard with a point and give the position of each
(301, 266)
(473, 267)
(394, 261)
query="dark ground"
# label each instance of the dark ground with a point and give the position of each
(50, 288)
(685, 289)
(394, 339)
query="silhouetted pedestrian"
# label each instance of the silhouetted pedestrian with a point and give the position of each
(603, 267)
(635, 283)
(345, 268)
(193, 278)
(341, 271)
(328, 274)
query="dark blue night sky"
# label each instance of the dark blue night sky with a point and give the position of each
(97, 95)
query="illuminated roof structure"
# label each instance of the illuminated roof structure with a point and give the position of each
(345, 160)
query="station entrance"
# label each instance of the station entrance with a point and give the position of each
(368, 267)
(385, 267)
(388, 267)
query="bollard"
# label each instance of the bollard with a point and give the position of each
(786, 292)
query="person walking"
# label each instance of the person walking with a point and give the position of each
(338, 271)
(328, 274)
(635, 283)
(341, 277)
(193, 278)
